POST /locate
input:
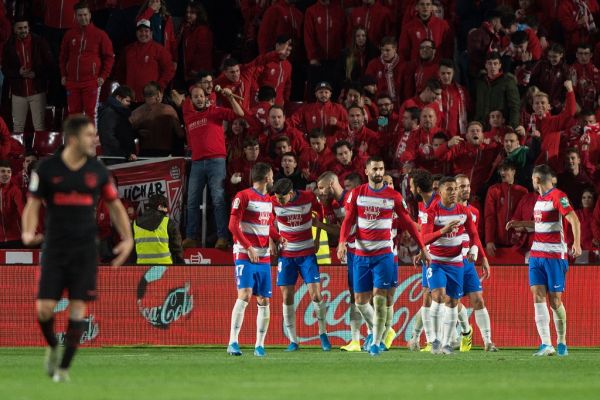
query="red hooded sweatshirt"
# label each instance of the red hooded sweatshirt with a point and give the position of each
(324, 30)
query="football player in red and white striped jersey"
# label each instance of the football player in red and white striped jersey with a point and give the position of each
(294, 211)
(371, 207)
(447, 220)
(548, 262)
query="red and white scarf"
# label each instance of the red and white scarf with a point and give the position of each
(584, 10)
(388, 71)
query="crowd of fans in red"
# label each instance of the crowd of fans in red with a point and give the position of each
(484, 88)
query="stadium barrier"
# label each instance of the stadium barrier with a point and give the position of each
(182, 305)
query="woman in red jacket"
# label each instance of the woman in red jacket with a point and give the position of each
(585, 215)
(195, 42)
(161, 22)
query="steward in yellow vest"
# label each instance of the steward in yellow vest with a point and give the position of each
(157, 238)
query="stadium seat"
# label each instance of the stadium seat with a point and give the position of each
(46, 143)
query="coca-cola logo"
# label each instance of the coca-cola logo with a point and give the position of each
(176, 302)
(338, 311)
(91, 330)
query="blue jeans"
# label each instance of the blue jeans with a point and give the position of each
(211, 171)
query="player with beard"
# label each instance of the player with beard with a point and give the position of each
(251, 224)
(472, 281)
(371, 207)
(69, 184)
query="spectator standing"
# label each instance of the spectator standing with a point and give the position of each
(86, 60)
(145, 61)
(114, 128)
(578, 19)
(425, 25)
(322, 114)
(161, 25)
(585, 76)
(11, 208)
(324, 34)
(28, 65)
(354, 59)
(455, 101)
(156, 124)
(496, 91)
(195, 43)
(574, 179)
(387, 69)
(550, 74)
(289, 169)
(586, 217)
(417, 72)
(156, 236)
(206, 138)
(59, 17)
(500, 203)
(377, 20)
(282, 18)
(482, 41)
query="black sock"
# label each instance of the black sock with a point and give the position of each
(47, 328)
(72, 338)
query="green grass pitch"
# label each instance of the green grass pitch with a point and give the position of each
(310, 374)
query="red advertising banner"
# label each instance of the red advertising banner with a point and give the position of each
(192, 305)
(141, 179)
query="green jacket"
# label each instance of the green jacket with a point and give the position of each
(500, 94)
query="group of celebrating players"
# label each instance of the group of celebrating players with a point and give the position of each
(369, 219)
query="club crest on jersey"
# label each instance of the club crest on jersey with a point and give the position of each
(294, 220)
(564, 201)
(90, 179)
(264, 218)
(372, 212)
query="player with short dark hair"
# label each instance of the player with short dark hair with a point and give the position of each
(70, 184)
(548, 262)
(251, 224)
(294, 211)
(371, 207)
(447, 221)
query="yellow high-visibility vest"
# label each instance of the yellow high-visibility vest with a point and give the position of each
(152, 247)
(323, 256)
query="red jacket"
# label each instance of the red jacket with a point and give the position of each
(278, 75)
(586, 82)
(549, 127)
(415, 75)
(419, 149)
(60, 14)
(204, 130)
(279, 19)
(11, 209)
(568, 13)
(480, 42)
(390, 85)
(416, 102)
(455, 105)
(169, 39)
(364, 142)
(317, 115)
(196, 48)
(86, 54)
(500, 204)
(324, 30)
(596, 221)
(586, 218)
(268, 136)
(524, 212)
(6, 141)
(145, 62)
(474, 161)
(376, 19)
(415, 31)
(356, 165)
(316, 163)
(550, 79)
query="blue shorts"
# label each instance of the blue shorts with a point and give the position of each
(255, 276)
(446, 276)
(549, 272)
(289, 268)
(374, 271)
(424, 275)
(471, 282)
(350, 262)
